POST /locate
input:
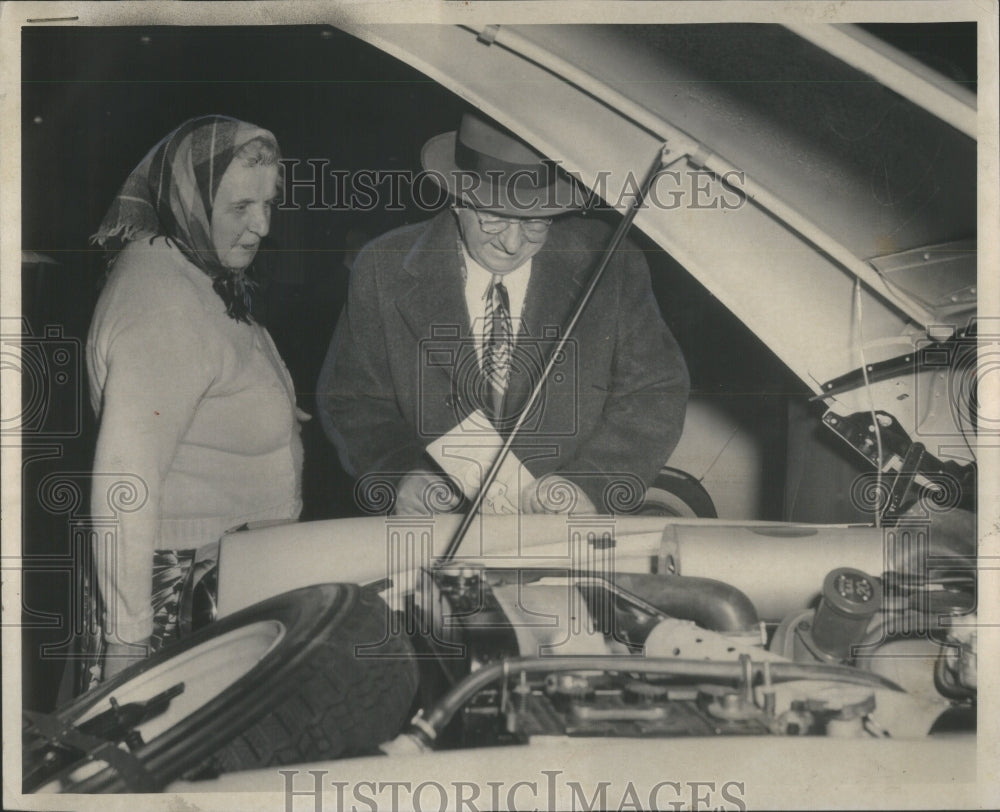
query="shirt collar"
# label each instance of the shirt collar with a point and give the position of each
(476, 274)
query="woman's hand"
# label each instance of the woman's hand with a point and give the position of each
(119, 656)
(555, 494)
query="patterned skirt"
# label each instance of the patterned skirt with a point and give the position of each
(170, 570)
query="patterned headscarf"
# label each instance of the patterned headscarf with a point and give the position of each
(172, 191)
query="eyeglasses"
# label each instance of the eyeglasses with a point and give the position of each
(533, 228)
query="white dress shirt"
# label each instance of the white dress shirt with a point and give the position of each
(477, 284)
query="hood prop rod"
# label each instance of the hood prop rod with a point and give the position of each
(616, 239)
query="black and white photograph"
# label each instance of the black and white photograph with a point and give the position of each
(487, 405)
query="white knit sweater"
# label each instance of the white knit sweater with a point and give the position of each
(198, 406)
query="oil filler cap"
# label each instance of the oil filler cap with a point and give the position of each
(850, 598)
(852, 593)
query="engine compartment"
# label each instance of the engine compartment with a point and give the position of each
(548, 647)
(510, 655)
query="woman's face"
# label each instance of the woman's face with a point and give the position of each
(241, 214)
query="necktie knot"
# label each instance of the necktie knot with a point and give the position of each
(498, 290)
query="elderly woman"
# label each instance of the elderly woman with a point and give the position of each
(192, 395)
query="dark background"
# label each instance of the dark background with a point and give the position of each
(95, 100)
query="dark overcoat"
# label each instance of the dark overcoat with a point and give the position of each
(402, 367)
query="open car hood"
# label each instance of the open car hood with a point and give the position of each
(832, 176)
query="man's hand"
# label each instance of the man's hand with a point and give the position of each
(423, 492)
(555, 494)
(119, 656)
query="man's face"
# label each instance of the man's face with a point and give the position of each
(241, 214)
(506, 250)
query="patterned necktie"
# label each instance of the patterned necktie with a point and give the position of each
(498, 341)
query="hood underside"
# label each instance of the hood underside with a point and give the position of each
(823, 178)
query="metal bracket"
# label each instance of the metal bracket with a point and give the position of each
(873, 373)
(909, 463)
(97, 739)
(859, 433)
(901, 494)
(932, 355)
(64, 734)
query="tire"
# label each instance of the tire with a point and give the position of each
(677, 493)
(277, 683)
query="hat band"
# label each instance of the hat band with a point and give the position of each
(534, 176)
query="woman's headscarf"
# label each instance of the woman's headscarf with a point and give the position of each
(172, 191)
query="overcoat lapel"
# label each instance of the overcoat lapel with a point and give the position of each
(559, 275)
(432, 299)
(431, 302)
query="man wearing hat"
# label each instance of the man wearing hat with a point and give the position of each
(449, 323)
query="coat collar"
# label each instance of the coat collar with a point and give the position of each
(435, 299)
(558, 277)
